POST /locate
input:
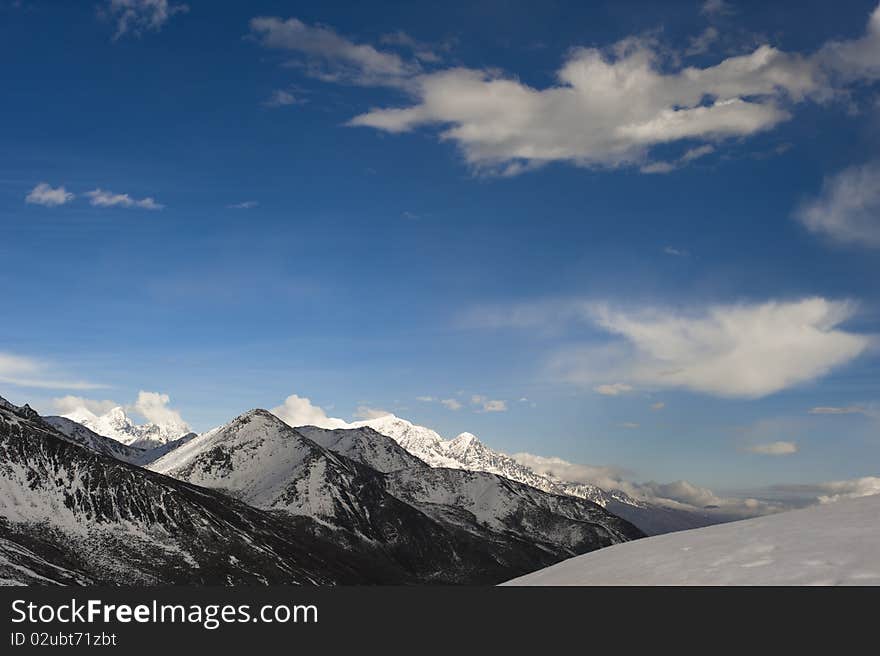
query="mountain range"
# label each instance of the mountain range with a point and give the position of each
(141, 444)
(467, 452)
(259, 501)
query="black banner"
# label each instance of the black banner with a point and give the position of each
(400, 619)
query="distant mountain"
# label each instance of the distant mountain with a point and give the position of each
(467, 452)
(829, 544)
(79, 434)
(116, 424)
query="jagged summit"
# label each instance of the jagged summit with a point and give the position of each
(117, 425)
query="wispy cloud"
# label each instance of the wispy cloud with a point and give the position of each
(485, 404)
(742, 350)
(848, 207)
(23, 371)
(716, 8)
(613, 389)
(701, 43)
(281, 98)
(366, 412)
(330, 56)
(102, 198)
(245, 205)
(134, 17)
(778, 448)
(48, 196)
(832, 410)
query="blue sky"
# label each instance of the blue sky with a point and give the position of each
(658, 226)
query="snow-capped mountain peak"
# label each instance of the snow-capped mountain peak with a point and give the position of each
(422, 442)
(117, 425)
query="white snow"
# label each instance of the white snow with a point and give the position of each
(116, 424)
(830, 544)
(264, 462)
(467, 452)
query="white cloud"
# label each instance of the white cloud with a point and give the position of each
(67, 404)
(451, 404)
(605, 477)
(629, 424)
(831, 410)
(45, 194)
(23, 371)
(330, 56)
(658, 406)
(139, 16)
(774, 448)
(299, 411)
(495, 405)
(608, 107)
(153, 406)
(848, 207)
(426, 399)
(281, 98)
(245, 205)
(365, 412)
(728, 350)
(613, 389)
(102, 198)
(852, 489)
(675, 252)
(485, 404)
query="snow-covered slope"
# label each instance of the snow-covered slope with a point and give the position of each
(364, 445)
(831, 544)
(117, 425)
(266, 463)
